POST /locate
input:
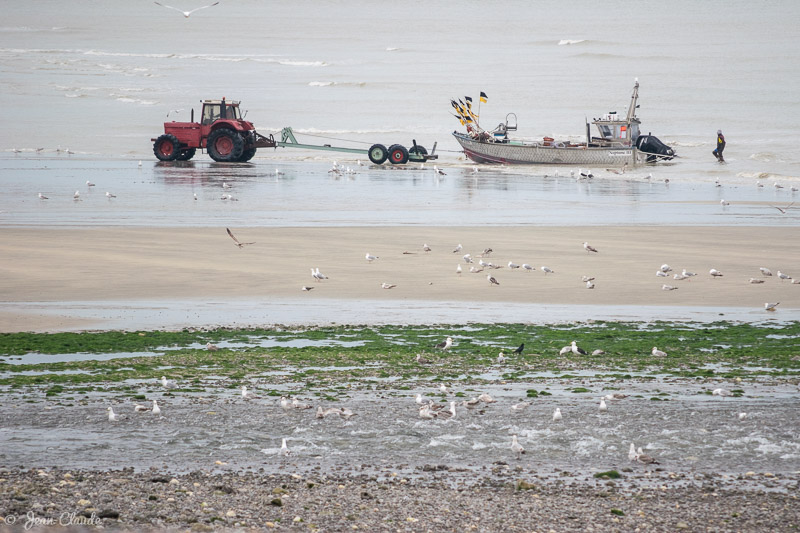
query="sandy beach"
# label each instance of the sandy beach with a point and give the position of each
(162, 264)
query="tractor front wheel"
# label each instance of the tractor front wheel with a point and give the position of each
(225, 145)
(186, 154)
(166, 147)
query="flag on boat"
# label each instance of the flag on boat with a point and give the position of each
(484, 98)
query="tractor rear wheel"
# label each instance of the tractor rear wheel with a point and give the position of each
(225, 145)
(186, 154)
(378, 154)
(166, 147)
(247, 155)
(398, 155)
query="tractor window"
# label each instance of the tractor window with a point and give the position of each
(210, 113)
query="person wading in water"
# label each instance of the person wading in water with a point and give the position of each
(720, 146)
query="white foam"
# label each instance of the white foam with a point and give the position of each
(562, 42)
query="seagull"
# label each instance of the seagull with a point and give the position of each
(109, 195)
(186, 14)
(644, 458)
(370, 258)
(426, 413)
(211, 347)
(688, 274)
(284, 448)
(319, 275)
(657, 353)
(715, 273)
(565, 350)
(168, 384)
(520, 406)
(112, 416)
(516, 447)
(491, 279)
(717, 183)
(421, 360)
(783, 276)
(43, 197)
(457, 249)
(485, 398)
(140, 408)
(603, 406)
(586, 173)
(666, 287)
(724, 202)
(285, 403)
(756, 280)
(679, 277)
(765, 271)
(388, 285)
(322, 413)
(297, 404)
(77, 195)
(742, 416)
(426, 248)
(246, 394)
(444, 346)
(512, 265)
(576, 349)
(661, 274)
(771, 306)
(590, 285)
(721, 392)
(306, 288)
(156, 408)
(443, 388)
(777, 185)
(632, 453)
(587, 278)
(467, 258)
(89, 183)
(547, 270)
(666, 268)
(501, 358)
(519, 348)
(589, 248)
(615, 396)
(527, 267)
(471, 404)
(483, 263)
(557, 415)
(194, 194)
(235, 240)
(474, 270)
(487, 252)
(439, 171)
(226, 185)
(458, 269)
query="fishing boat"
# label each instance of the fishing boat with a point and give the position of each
(618, 143)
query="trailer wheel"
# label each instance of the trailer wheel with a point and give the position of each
(398, 155)
(378, 154)
(417, 153)
(247, 155)
(225, 145)
(186, 154)
(166, 147)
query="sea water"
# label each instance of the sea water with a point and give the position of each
(99, 79)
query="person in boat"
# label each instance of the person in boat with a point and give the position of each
(720, 146)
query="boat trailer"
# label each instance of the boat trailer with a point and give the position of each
(396, 154)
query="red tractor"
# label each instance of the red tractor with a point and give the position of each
(222, 132)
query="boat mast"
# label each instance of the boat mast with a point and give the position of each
(632, 108)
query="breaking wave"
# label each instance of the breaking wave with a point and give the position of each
(334, 83)
(563, 42)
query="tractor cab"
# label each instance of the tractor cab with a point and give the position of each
(214, 110)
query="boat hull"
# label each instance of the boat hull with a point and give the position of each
(533, 154)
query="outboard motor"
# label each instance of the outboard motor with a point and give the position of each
(652, 145)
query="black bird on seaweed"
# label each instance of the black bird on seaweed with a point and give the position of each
(519, 350)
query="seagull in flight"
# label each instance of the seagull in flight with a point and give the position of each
(186, 14)
(239, 244)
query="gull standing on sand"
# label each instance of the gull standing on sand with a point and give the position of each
(156, 408)
(112, 416)
(557, 415)
(385, 285)
(715, 273)
(501, 358)
(284, 448)
(603, 406)
(665, 268)
(491, 280)
(590, 284)
(512, 265)
(426, 248)
(516, 447)
(756, 280)
(76, 196)
(657, 353)
(186, 14)
(370, 258)
(457, 249)
(724, 203)
(688, 274)
(783, 276)
(765, 271)
(589, 248)
(109, 195)
(89, 183)
(668, 287)
(319, 275)
(661, 274)
(43, 197)
(458, 269)
(547, 270)
(467, 258)
(527, 267)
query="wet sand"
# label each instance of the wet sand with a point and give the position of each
(165, 264)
